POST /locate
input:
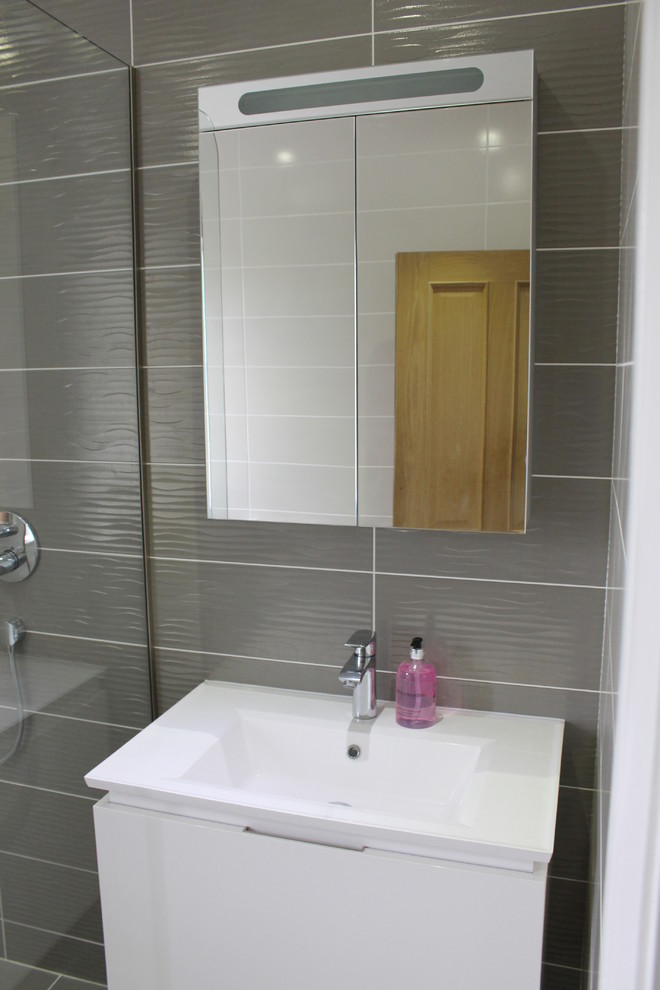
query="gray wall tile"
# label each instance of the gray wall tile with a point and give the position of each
(76, 415)
(32, 894)
(81, 594)
(563, 543)
(174, 427)
(166, 29)
(520, 633)
(578, 58)
(48, 826)
(579, 189)
(562, 978)
(56, 952)
(46, 49)
(52, 141)
(171, 310)
(55, 753)
(16, 976)
(576, 306)
(68, 225)
(270, 612)
(85, 678)
(170, 216)
(179, 673)
(105, 22)
(85, 506)
(179, 528)
(572, 421)
(566, 916)
(69, 321)
(395, 14)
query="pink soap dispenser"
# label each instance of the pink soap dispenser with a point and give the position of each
(415, 689)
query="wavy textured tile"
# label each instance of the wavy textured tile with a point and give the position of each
(67, 225)
(35, 47)
(180, 528)
(174, 431)
(69, 321)
(52, 141)
(167, 94)
(32, 895)
(179, 673)
(578, 58)
(43, 825)
(575, 316)
(395, 14)
(560, 978)
(518, 633)
(166, 29)
(85, 506)
(565, 542)
(74, 594)
(56, 753)
(579, 189)
(566, 922)
(571, 859)
(20, 977)
(75, 415)
(58, 953)
(86, 679)
(169, 216)
(105, 22)
(572, 427)
(270, 612)
(171, 303)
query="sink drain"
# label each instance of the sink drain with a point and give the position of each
(353, 752)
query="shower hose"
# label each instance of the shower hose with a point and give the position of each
(11, 649)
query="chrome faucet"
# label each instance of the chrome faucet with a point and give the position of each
(359, 673)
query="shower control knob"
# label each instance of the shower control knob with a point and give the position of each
(19, 551)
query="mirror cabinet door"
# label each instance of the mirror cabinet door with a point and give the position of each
(339, 389)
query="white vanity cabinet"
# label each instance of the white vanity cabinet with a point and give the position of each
(196, 905)
(262, 839)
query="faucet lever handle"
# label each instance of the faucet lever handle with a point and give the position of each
(363, 641)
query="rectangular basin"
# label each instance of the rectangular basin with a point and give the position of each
(476, 787)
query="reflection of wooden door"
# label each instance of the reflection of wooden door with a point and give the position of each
(462, 346)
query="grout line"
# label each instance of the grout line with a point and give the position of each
(48, 790)
(86, 271)
(371, 34)
(373, 581)
(581, 247)
(250, 51)
(54, 460)
(75, 718)
(73, 175)
(56, 79)
(481, 580)
(87, 639)
(381, 673)
(75, 367)
(48, 862)
(94, 553)
(49, 931)
(246, 563)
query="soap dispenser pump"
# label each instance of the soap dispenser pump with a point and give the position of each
(415, 689)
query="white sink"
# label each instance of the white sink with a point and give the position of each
(476, 787)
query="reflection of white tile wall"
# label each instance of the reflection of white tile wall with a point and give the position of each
(287, 206)
(459, 180)
(279, 289)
